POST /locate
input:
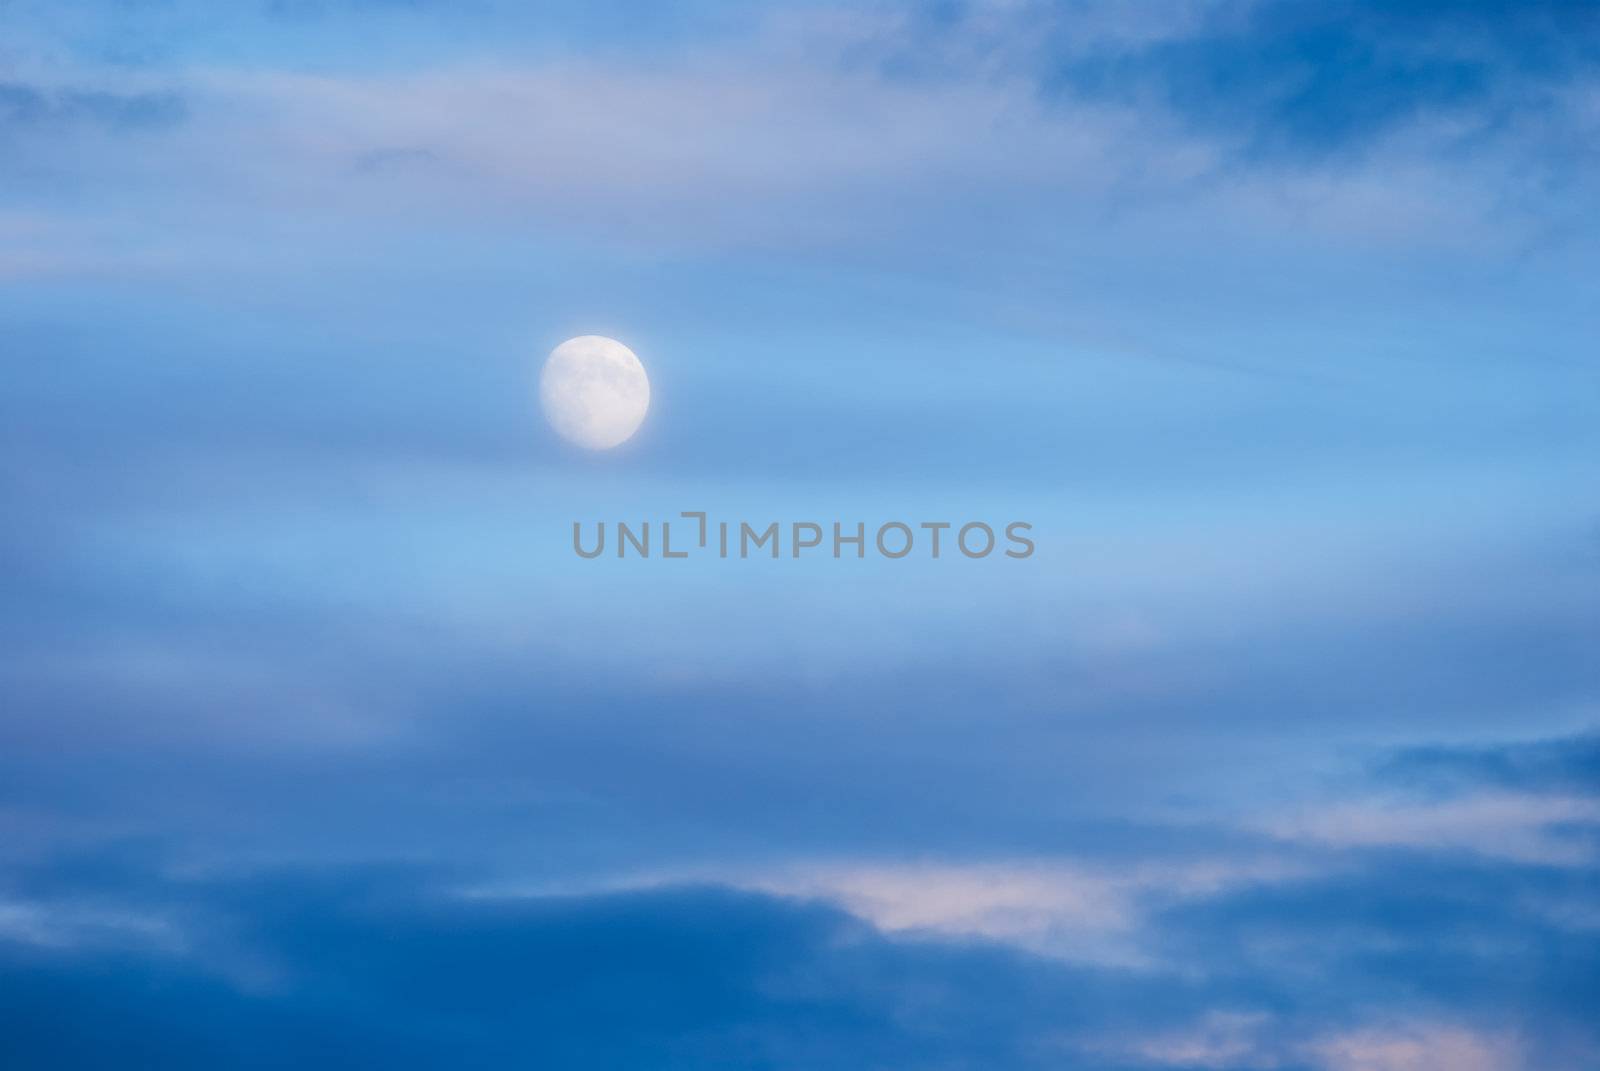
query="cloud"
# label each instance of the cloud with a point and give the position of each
(361, 964)
(1276, 79)
(68, 926)
(1223, 1041)
(1078, 910)
(1421, 1047)
(1218, 1040)
(1558, 830)
(1031, 906)
(25, 105)
(1561, 765)
(1197, 951)
(1533, 803)
(366, 969)
(822, 130)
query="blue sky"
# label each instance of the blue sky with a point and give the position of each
(1277, 322)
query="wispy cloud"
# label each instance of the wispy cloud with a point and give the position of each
(25, 105)
(811, 132)
(1558, 830)
(1224, 1041)
(1421, 1047)
(1079, 910)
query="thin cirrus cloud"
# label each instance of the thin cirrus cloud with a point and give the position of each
(1235, 1040)
(711, 147)
(1557, 831)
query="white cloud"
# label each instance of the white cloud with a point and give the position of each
(1218, 1040)
(1061, 908)
(1053, 908)
(794, 137)
(1092, 911)
(1254, 1041)
(1418, 1047)
(62, 925)
(1517, 827)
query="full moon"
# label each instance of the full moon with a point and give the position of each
(594, 392)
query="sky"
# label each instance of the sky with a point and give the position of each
(1277, 322)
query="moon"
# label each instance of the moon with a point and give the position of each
(594, 392)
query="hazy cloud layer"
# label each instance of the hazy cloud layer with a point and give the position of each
(1410, 959)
